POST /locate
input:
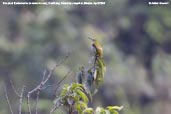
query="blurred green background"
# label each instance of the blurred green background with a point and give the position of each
(136, 38)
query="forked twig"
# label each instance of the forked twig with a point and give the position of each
(39, 87)
(20, 95)
(58, 83)
(21, 99)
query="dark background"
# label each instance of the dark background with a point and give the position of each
(136, 38)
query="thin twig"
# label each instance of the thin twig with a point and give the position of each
(20, 95)
(38, 92)
(7, 99)
(43, 82)
(48, 86)
(44, 74)
(59, 82)
(53, 109)
(15, 91)
(49, 75)
(37, 99)
(21, 99)
(28, 103)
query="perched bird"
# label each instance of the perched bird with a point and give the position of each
(97, 48)
(95, 74)
(93, 77)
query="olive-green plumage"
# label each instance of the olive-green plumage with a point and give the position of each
(97, 48)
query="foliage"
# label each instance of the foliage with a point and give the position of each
(75, 97)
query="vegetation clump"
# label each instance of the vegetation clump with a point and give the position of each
(76, 97)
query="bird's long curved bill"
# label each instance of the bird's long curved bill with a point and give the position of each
(91, 38)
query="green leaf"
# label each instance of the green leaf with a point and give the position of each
(64, 90)
(100, 63)
(114, 108)
(113, 112)
(108, 112)
(80, 106)
(76, 86)
(100, 110)
(82, 95)
(88, 111)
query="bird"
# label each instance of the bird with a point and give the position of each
(97, 48)
(92, 78)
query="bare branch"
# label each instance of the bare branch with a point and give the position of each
(28, 103)
(20, 95)
(58, 83)
(15, 91)
(21, 99)
(37, 99)
(48, 86)
(43, 82)
(44, 74)
(38, 92)
(6, 97)
(53, 109)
